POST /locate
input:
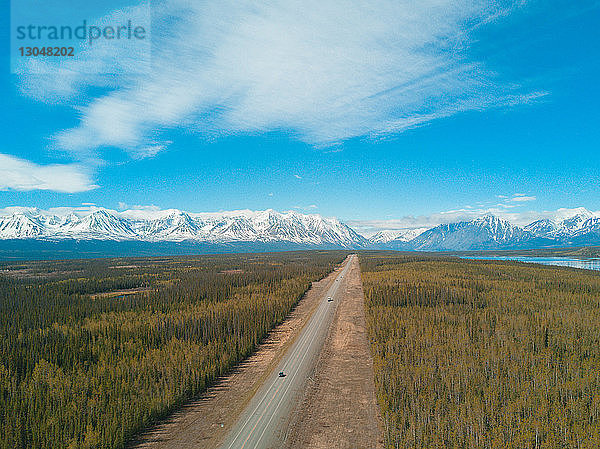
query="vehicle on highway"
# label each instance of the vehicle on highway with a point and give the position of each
(329, 299)
(281, 374)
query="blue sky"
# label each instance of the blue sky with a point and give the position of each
(393, 115)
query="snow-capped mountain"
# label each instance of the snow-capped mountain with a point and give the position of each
(21, 226)
(173, 225)
(400, 235)
(100, 224)
(487, 232)
(568, 227)
(542, 228)
(581, 223)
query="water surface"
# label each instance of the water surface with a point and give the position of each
(588, 264)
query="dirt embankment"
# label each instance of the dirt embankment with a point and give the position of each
(203, 423)
(339, 409)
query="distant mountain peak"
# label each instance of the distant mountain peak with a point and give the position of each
(399, 235)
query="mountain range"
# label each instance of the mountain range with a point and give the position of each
(174, 225)
(272, 230)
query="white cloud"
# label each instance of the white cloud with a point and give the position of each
(325, 71)
(522, 198)
(124, 206)
(151, 207)
(145, 212)
(22, 175)
(306, 208)
(516, 198)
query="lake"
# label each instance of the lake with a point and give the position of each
(588, 264)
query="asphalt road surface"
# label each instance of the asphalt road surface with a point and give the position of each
(263, 423)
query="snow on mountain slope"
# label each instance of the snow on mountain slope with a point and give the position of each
(566, 227)
(174, 225)
(542, 228)
(567, 224)
(401, 235)
(574, 225)
(21, 225)
(100, 224)
(486, 232)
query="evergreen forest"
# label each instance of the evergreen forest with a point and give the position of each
(94, 351)
(484, 354)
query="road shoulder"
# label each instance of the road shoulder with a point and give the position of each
(339, 408)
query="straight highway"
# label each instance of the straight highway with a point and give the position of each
(263, 423)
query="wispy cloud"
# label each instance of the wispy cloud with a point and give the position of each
(151, 207)
(306, 208)
(522, 198)
(143, 207)
(251, 67)
(515, 198)
(22, 175)
(509, 208)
